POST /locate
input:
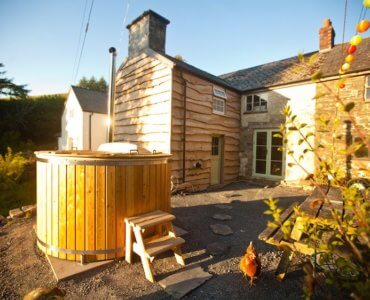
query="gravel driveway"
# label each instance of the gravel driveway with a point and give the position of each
(23, 267)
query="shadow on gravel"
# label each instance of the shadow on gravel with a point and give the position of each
(248, 220)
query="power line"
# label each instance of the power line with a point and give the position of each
(79, 41)
(83, 43)
(123, 24)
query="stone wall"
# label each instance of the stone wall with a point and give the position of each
(326, 107)
(300, 99)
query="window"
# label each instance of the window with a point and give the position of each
(219, 92)
(215, 145)
(219, 106)
(367, 88)
(255, 103)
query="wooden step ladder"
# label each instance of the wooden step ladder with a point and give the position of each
(164, 239)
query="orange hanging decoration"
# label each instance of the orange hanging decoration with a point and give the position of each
(349, 58)
(341, 85)
(363, 26)
(351, 49)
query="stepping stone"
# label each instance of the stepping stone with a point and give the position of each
(183, 282)
(221, 217)
(64, 269)
(29, 208)
(16, 213)
(221, 229)
(223, 206)
(217, 248)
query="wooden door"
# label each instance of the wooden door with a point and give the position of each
(268, 157)
(216, 160)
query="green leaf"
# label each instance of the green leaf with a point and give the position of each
(349, 106)
(291, 165)
(278, 135)
(316, 76)
(292, 128)
(313, 58)
(301, 57)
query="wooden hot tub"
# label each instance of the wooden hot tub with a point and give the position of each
(84, 196)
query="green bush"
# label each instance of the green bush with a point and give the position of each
(12, 166)
(30, 124)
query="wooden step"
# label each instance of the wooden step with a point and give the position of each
(160, 245)
(150, 219)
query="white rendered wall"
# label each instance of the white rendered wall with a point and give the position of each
(98, 130)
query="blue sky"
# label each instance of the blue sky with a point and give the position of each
(39, 38)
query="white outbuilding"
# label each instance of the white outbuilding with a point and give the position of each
(84, 120)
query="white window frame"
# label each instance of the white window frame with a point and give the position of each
(215, 105)
(367, 87)
(219, 92)
(255, 110)
(268, 160)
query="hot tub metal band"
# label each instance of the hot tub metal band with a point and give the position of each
(81, 252)
(100, 162)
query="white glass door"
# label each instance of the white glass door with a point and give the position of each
(268, 159)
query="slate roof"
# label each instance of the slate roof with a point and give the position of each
(285, 71)
(199, 72)
(90, 100)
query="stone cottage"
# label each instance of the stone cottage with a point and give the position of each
(219, 128)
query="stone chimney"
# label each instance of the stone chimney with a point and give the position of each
(147, 31)
(327, 35)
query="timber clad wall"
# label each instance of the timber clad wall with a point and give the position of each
(326, 105)
(201, 125)
(143, 103)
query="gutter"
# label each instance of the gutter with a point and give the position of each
(184, 131)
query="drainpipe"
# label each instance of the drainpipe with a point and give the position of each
(184, 133)
(90, 116)
(112, 80)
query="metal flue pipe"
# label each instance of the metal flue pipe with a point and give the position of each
(111, 94)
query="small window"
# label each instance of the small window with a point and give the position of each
(255, 103)
(367, 88)
(219, 92)
(363, 152)
(219, 106)
(215, 145)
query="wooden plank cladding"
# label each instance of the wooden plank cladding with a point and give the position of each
(81, 208)
(200, 125)
(152, 95)
(143, 103)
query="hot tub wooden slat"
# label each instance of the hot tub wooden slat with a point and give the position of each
(120, 207)
(41, 205)
(71, 210)
(100, 210)
(111, 211)
(49, 208)
(62, 209)
(55, 208)
(80, 209)
(90, 210)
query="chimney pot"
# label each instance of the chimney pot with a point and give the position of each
(147, 31)
(326, 36)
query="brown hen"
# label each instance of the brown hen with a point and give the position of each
(250, 264)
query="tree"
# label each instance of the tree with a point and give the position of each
(8, 88)
(179, 57)
(92, 84)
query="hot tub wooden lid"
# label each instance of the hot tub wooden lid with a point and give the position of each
(100, 157)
